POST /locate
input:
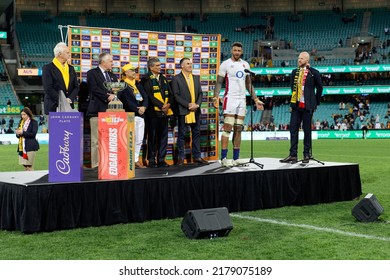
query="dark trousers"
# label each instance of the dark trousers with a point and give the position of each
(299, 116)
(157, 138)
(195, 136)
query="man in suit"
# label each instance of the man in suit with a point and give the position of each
(160, 99)
(59, 75)
(99, 98)
(134, 100)
(306, 87)
(188, 95)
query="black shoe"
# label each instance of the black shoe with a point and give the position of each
(180, 162)
(201, 161)
(289, 159)
(162, 164)
(306, 159)
(152, 164)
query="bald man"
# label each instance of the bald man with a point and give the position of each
(306, 88)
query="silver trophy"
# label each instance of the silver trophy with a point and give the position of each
(63, 104)
(114, 87)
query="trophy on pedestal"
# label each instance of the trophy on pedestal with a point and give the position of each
(115, 105)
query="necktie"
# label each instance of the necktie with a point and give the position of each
(107, 76)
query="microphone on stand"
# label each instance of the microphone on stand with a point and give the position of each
(308, 68)
(249, 72)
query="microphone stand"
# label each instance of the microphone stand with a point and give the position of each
(252, 160)
(311, 145)
(311, 138)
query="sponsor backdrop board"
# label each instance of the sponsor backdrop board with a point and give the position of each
(66, 147)
(116, 145)
(136, 47)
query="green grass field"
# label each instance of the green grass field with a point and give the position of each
(319, 232)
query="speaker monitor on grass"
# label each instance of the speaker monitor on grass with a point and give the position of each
(368, 209)
(212, 222)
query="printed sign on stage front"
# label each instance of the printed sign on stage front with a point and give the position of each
(66, 147)
(116, 145)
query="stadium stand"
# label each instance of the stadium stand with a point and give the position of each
(330, 36)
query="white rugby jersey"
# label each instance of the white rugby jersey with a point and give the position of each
(234, 74)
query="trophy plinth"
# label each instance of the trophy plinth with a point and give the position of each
(115, 105)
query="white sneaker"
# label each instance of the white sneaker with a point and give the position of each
(239, 162)
(226, 162)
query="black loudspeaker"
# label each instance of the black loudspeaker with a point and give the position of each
(368, 209)
(213, 222)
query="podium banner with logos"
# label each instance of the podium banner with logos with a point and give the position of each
(66, 147)
(116, 145)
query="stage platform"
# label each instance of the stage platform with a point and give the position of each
(29, 203)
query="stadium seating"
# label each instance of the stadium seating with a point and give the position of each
(7, 93)
(307, 33)
(315, 30)
(300, 33)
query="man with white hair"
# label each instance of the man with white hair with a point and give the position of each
(59, 75)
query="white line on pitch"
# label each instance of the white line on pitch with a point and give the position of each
(330, 230)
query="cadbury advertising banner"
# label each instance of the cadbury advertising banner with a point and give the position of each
(66, 147)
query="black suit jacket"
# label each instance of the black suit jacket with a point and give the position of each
(313, 81)
(130, 103)
(53, 82)
(147, 84)
(182, 94)
(98, 94)
(31, 143)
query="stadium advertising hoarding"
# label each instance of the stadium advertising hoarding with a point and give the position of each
(10, 110)
(327, 90)
(30, 71)
(353, 134)
(136, 47)
(326, 69)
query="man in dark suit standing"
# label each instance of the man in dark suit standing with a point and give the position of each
(59, 75)
(187, 91)
(99, 97)
(160, 99)
(306, 87)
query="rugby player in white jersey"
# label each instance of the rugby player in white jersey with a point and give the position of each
(237, 82)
